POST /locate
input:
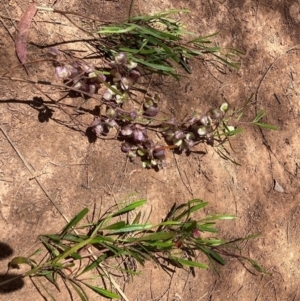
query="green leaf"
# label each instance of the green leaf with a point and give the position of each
(133, 228)
(161, 35)
(80, 292)
(213, 242)
(115, 226)
(217, 257)
(191, 209)
(207, 228)
(14, 263)
(157, 236)
(188, 227)
(116, 29)
(94, 263)
(136, 51)
(219, 217)
(74, 221)
(38, 251)
(74, 238)
(51, 276)
(225, 61)
(204, 38)
(130, 207)
(160, 244)
(260, 114)
(46, 290)
(137, 218)
(51, 249)
(229, 133)
(154, 66)
(257, 266)
(170, 223)
(74, 249)
(103, 292)
(100, 239)
(159, 15)
(266, 126)
(190, 263)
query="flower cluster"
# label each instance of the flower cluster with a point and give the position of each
(124, 76)
(130, 125)
(80, 76)
(199, 128)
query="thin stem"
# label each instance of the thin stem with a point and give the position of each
(130, 10)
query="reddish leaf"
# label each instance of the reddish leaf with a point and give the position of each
(22, 34)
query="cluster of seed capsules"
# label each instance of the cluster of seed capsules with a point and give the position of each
(122, 76)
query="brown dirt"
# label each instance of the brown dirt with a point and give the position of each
(64, 161)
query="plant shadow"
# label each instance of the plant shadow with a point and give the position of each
(13, 281)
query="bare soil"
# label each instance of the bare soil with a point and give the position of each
(73, 172)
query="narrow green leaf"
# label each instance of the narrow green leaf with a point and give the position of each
(217, 257)
(157, 236)
(51, 249)
(256, 265)
(188, 227)
(212, 242)
(76, 256)
(103, 292)
(99, 239)
(240, 116)
(136, 51)
(72, 250)
(74, 238)
(44, 272)
(46, 289)
(14, 263)
(130, 207)
(155, 66)
(170, 223)
(218, 217)
(199, 206)
(207, 227)
(115, 226)
(260, 114)
(38, 251)
(229, 133)
(133, 228)
(80, 292)
(266, 126)
(159, 15)
(74, 221)
(226, 61)
(140, 258)
(188, 211)
(94, 263)
(190, 263)
(50, 276)
(204, 38)
(160, 244)
(241, 239)
(137, 218)
(116, 29)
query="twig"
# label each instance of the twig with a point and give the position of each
(186, 186)
(9, 15)
(30, 169)
(7, 29)
(125, 170)
(130, 9)
(41, 82)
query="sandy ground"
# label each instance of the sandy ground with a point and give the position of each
(75, 173)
